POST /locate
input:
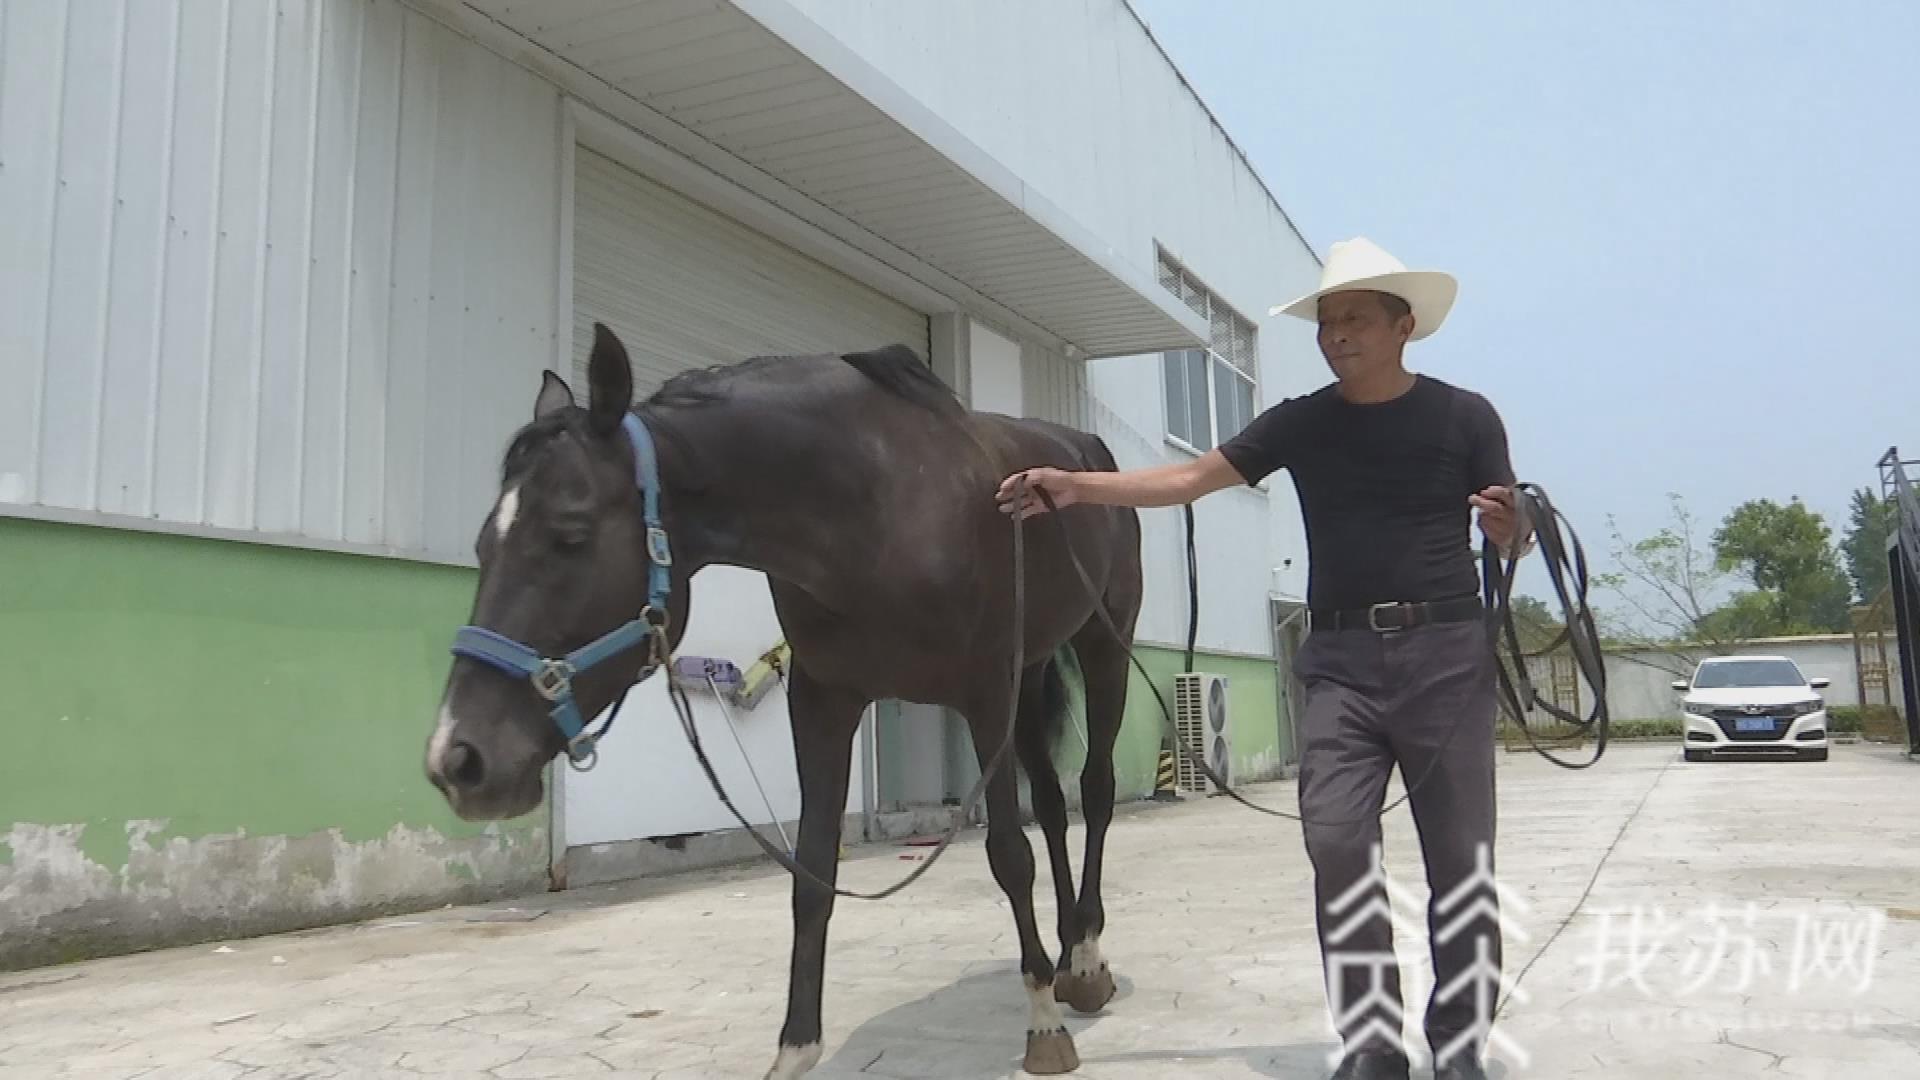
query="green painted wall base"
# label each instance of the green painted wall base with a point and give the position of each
(1258, 730)
(1261, 746)
(204, 738)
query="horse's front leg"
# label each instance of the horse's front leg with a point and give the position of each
(824, 721)
(1050, 1048)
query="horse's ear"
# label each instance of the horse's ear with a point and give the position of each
(609, 381)
(555, 395)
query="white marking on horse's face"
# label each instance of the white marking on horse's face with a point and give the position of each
(1045, 1017)
(504, 514)
(1087, 961)
(442, 738)
(794, 1061)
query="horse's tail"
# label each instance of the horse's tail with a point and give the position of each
(1056, 702)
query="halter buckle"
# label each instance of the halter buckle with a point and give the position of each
(554, 679)
(658, 549)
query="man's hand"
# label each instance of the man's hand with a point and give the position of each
(1499, 519)
(1020, 493)
(1161, 485)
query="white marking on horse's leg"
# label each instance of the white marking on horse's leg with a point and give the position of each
(1087, 961)
(442, 738)
(1045, 1017)
(794, 1061)
(504, 514)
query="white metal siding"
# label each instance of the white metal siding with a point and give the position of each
(282, 268)
(1231, 528)
(1078, 101)
(686, 287)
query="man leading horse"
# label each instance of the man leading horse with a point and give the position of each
(1398, 666)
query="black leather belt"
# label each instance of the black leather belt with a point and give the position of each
(1385, 618)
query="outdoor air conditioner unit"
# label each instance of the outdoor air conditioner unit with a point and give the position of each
(1200, 712)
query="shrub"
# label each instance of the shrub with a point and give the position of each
(1660, 728)
(1654, 728)
(1882, 723)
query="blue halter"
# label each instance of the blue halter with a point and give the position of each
(553, 678)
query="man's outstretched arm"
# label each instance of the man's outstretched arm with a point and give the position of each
(1161, 485)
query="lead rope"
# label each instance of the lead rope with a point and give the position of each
(733, 729)
(1580, 633)
(1532, 503)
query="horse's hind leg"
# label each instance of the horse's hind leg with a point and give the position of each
(1043, 708)
(1050, 1049)
(1085, 981)
(824, 721)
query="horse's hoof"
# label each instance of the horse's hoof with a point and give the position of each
(794, 1061)
(1087, 994)
(1050, 1053)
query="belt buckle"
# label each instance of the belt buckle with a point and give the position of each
(1373, 619)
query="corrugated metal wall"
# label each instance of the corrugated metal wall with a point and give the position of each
(288, 268)
(1054, 387)
(686, 287)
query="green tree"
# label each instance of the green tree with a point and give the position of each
(1746, 616)
(1865, 544)
(1534, 623)
(1788, 554)
(1667, 587)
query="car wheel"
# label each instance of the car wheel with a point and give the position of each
(1814, 755)
(1696, 755)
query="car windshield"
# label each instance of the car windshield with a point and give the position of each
(1741, 673)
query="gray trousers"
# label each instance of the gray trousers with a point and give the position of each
(1417, 699)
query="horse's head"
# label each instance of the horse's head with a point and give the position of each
(564, 563)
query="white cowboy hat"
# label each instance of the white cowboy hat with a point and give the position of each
(1360, 264)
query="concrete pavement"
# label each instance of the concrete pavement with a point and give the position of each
(1667, 919)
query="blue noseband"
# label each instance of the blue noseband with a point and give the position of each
(553, 678)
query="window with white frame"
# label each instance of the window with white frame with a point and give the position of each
(1211, 393)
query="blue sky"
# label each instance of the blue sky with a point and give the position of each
(1688, 233)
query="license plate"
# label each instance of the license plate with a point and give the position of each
(1753, 723)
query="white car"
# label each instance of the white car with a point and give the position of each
(1760, 705)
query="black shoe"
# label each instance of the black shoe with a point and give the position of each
(1462, 1067)
(1373, 1065)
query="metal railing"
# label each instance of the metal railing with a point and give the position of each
(1903, 558)
(1899, 490)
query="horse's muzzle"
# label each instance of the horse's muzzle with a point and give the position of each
(480, 786)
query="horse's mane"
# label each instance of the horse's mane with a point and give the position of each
(900, 373)
(894, 368)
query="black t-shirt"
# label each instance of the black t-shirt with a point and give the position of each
(1383, 487)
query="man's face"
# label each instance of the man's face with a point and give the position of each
(1358, 336)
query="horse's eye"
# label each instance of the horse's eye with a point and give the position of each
(569, 538)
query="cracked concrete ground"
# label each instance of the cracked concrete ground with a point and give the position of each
(1662, 924)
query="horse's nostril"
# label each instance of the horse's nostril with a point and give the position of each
(463, 766)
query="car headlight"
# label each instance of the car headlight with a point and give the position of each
(1802, 708)
(1699, 711)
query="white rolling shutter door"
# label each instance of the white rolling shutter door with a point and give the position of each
(685, 287)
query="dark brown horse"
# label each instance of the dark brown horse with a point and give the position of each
(864, 490)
